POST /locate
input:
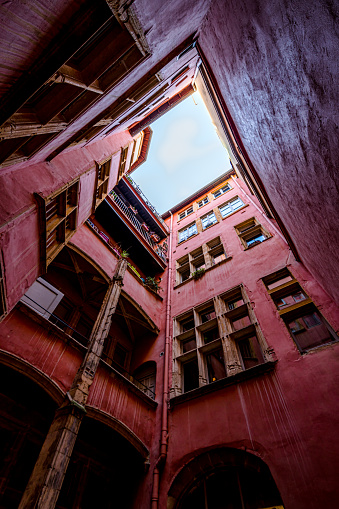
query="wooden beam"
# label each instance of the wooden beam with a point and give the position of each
(82, 25)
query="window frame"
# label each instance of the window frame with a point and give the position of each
(229, 204)
(203, 202)
(185, 213)
(58, 220)
(202, 255)
(187, 228)
(221, 319)
(221, 191)
(248, 229)
(210, 223)
(290, 286)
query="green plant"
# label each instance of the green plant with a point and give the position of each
(124, 254)
(153, 284)
(198, 273)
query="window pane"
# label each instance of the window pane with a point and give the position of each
(250, 352)
(215, 366)
(225, 210)
(236, 204)
(189, 345)
(191, 375)
(211, 335)
(310, 330)
(254, 240)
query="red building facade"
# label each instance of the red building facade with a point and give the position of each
(181, 361)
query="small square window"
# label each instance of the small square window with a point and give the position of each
(203, 202)
(251, 233)
(221, 191)
(186, 212)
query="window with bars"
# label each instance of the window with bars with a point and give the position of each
(251, 232)
(187, 232)
(223, 338)
(221, 191)
(305, 323)
(231, 206)
(208, 220)
(58, 218)
(186, 212)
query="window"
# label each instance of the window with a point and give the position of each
(230, 207)
(103, 171)
(42, 297)
(186, 233)
(186, 212)
(144, 378)
(123, 160)
(251, 233)
(221, 191)
(208, 220)
(203, 202)
(199, 347)
(304, 322)
(204, 257)
(59, 215)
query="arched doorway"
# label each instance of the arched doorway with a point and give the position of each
(26, 412)
(104, 471)
(224, 479)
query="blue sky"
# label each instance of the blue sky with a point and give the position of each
(184, 155)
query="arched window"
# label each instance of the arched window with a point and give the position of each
(145, 378)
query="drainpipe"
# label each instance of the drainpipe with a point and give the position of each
(164, 416)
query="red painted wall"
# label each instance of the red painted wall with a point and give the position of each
(288, 417)
(19, 236)
(275, 65)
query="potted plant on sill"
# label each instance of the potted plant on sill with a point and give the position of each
(198, 273)
(152, 283)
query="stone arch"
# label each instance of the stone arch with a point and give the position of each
(36, 375)
(216, 462)
(90, 260)
(121, 428)
(107, 464)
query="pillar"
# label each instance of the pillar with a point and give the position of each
(45, 483)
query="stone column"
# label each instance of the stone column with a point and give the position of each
(45, 483)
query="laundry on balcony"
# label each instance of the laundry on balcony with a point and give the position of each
(154, 237)
(133, 209)
(145, 227)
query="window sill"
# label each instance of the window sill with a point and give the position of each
(235, 212)
(206, 270)
(247, 374)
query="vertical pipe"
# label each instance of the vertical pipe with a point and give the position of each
(164, 416)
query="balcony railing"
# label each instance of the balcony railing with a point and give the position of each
(80, 338)
(149, 204)
(128, 212)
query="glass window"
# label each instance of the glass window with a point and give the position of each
(230, 207)
(188, 232)
(208, 220)
(203, 201)
(256, 239)
(186, 212)
(190, 375)
(310, 330)
(221, 191)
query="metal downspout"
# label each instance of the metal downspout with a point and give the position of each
(164, 416)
